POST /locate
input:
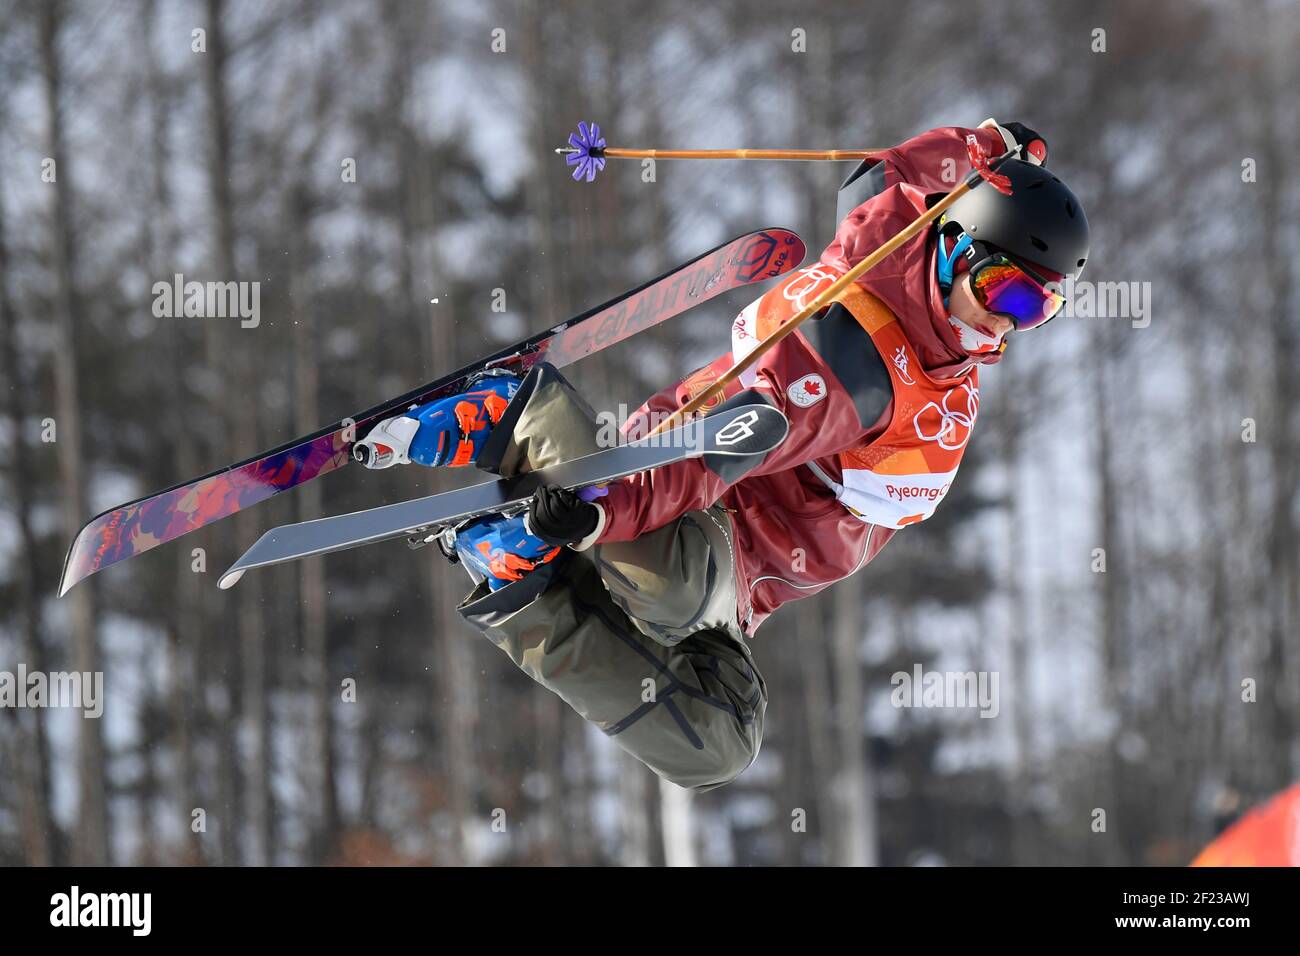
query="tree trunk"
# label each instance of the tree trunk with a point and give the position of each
(675, 815)
(185, 627)
(817, 691)
(1112, 583)
(247, 655)
(92, 827)
(32, 745)
(1022, 715)
(634, 813)
(319, 689)
(1274, 106)
(855, 786)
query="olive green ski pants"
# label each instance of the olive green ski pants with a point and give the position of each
(638, 637)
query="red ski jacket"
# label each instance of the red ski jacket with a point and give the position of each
(794, 536)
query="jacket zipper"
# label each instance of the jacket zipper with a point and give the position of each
(749, 611)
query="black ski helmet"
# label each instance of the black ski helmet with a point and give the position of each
(1041, 222)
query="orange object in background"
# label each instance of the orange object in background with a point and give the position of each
(1266, 836)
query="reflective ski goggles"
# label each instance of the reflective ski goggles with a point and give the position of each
(1008, 288)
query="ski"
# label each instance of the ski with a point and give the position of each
(138, 526)
(748, 430)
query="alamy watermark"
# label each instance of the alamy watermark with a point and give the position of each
(208, 300)
(612, 429)
(951, 689)
(1105, 300)
(133, 911)
(24, 688)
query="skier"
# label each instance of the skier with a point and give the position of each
(634, 607)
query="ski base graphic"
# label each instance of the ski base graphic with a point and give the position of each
(137, 526)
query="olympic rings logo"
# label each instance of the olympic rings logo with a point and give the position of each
(954, 425)
(806, 284)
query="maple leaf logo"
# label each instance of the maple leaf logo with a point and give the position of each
(807, 391)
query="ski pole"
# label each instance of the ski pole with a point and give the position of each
(985, 170)
(587, 152)
(614, 152)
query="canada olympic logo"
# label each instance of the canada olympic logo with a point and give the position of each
(954, 424)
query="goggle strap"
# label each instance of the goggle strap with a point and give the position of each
(947, 261)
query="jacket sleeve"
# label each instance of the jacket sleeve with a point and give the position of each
(935, 161)
(823, 421)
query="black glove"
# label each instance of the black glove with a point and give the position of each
(559, 517)
(1031, 143)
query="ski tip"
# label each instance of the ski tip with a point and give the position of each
(79, 563)
(230, 579)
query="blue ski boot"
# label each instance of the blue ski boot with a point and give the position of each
(446, 431)
(501, 550)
